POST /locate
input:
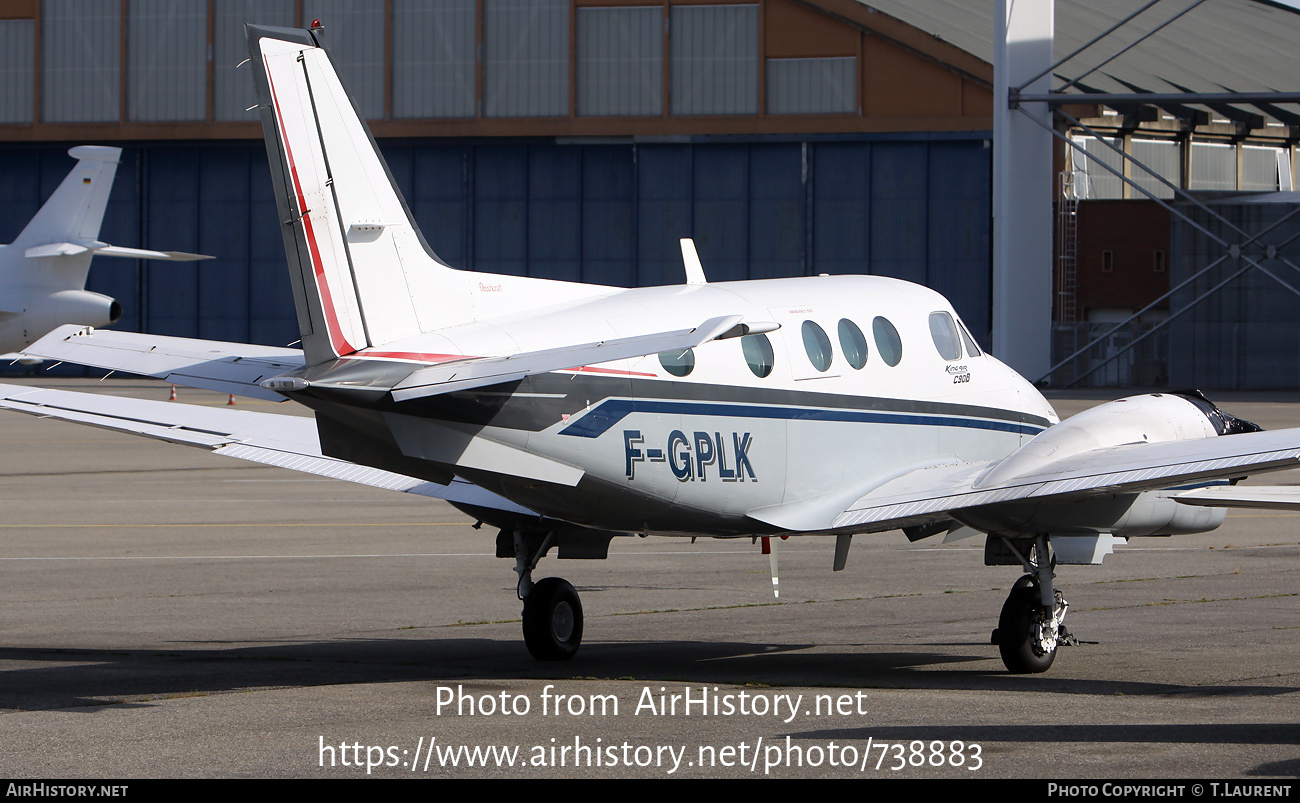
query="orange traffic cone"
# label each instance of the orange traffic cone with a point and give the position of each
(231, 401)
(173, 396)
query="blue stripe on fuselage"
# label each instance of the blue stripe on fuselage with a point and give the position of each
(608, 413)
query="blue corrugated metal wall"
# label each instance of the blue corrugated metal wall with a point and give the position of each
(917, 209)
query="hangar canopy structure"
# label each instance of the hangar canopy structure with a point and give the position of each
(1152, 99)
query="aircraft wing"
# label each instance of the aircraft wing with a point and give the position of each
(1128, 468)
(935, 492)
(209, 364)
(275, 439)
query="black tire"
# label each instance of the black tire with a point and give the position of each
(553, 620)
(1020, 615)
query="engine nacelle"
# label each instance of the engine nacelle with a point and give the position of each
(44, 312)
(1151, 418)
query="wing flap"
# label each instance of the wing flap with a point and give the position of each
(213, 365)
(1269, 497)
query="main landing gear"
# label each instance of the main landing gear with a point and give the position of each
(1032, 624)
(552, 610)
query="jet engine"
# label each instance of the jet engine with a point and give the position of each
(1150, 418)
(47, 311)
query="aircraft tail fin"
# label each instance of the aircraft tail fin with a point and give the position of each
(76, 209)
(362, 273)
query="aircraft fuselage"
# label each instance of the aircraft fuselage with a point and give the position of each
(678, 450)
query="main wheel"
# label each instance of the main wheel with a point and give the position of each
(552, 620)
(1026, 636)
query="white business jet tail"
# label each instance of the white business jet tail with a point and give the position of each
(55, 247)
(73, 214)
(43, 272)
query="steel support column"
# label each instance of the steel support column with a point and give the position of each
(1022, 188)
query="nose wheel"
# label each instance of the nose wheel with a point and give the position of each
(1032, 623)
(1029, 632)
(552, 620)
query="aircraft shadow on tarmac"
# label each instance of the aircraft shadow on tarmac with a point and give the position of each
(50, 679)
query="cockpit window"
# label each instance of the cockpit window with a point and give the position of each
(678, 363)
(888, 342)
(972, 350)
(758, 353)
(853, 343)
(944, 333)
(818, 346)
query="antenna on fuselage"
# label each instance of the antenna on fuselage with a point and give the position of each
(691, 259)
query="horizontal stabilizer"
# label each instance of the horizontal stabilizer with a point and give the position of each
(55, 250)
(213, 365)
(144, 253)
(479, 372)
(103, 249)
(286, 441)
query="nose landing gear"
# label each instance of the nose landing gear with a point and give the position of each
(1029, 632)
(1032, 623)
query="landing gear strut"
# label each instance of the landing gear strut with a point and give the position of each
(552, 610)
(1032, 624)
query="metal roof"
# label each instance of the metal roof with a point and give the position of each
(1216, 46)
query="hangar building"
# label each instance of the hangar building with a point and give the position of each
(569, 139)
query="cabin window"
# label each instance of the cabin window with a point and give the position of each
(817, 345)
(758, 353)
(853, 343)
(944, 333)
(888, 342)
(678, 363)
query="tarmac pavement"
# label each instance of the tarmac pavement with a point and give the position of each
(172, 613)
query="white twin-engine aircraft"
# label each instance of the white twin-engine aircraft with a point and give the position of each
(43, 272)
(566, 414)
